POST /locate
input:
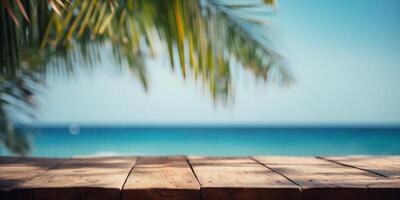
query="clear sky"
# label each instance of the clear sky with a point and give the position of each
(344, 56)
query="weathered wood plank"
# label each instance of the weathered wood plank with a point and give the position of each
(220, 178)
(16, 170)
(320, 179)
(388, 166)
(79, 178)
(240, 179)
(161, 178)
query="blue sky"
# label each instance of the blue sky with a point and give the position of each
(343, 54)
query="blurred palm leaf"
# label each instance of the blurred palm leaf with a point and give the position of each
(15, 8)
(206, 38)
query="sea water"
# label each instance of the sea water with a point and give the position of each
(214, 141)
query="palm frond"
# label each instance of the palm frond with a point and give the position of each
(204, 40)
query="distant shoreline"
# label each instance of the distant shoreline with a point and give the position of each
(304, 127)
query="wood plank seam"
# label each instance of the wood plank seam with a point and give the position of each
(127, 176)
(240, 178)
(79, 178)
(194, 174)
(158, 177)
(331, 185)
(374, 187)
(351, 166)
(277, 173)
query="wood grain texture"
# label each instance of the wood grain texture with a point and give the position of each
(171, 178)
(388, 166)
(79, 178)
(16, 170)
(320, 179)
(161, 178)
(240, 179)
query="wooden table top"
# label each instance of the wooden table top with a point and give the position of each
(191, 177)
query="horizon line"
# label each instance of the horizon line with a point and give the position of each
(87, 125)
